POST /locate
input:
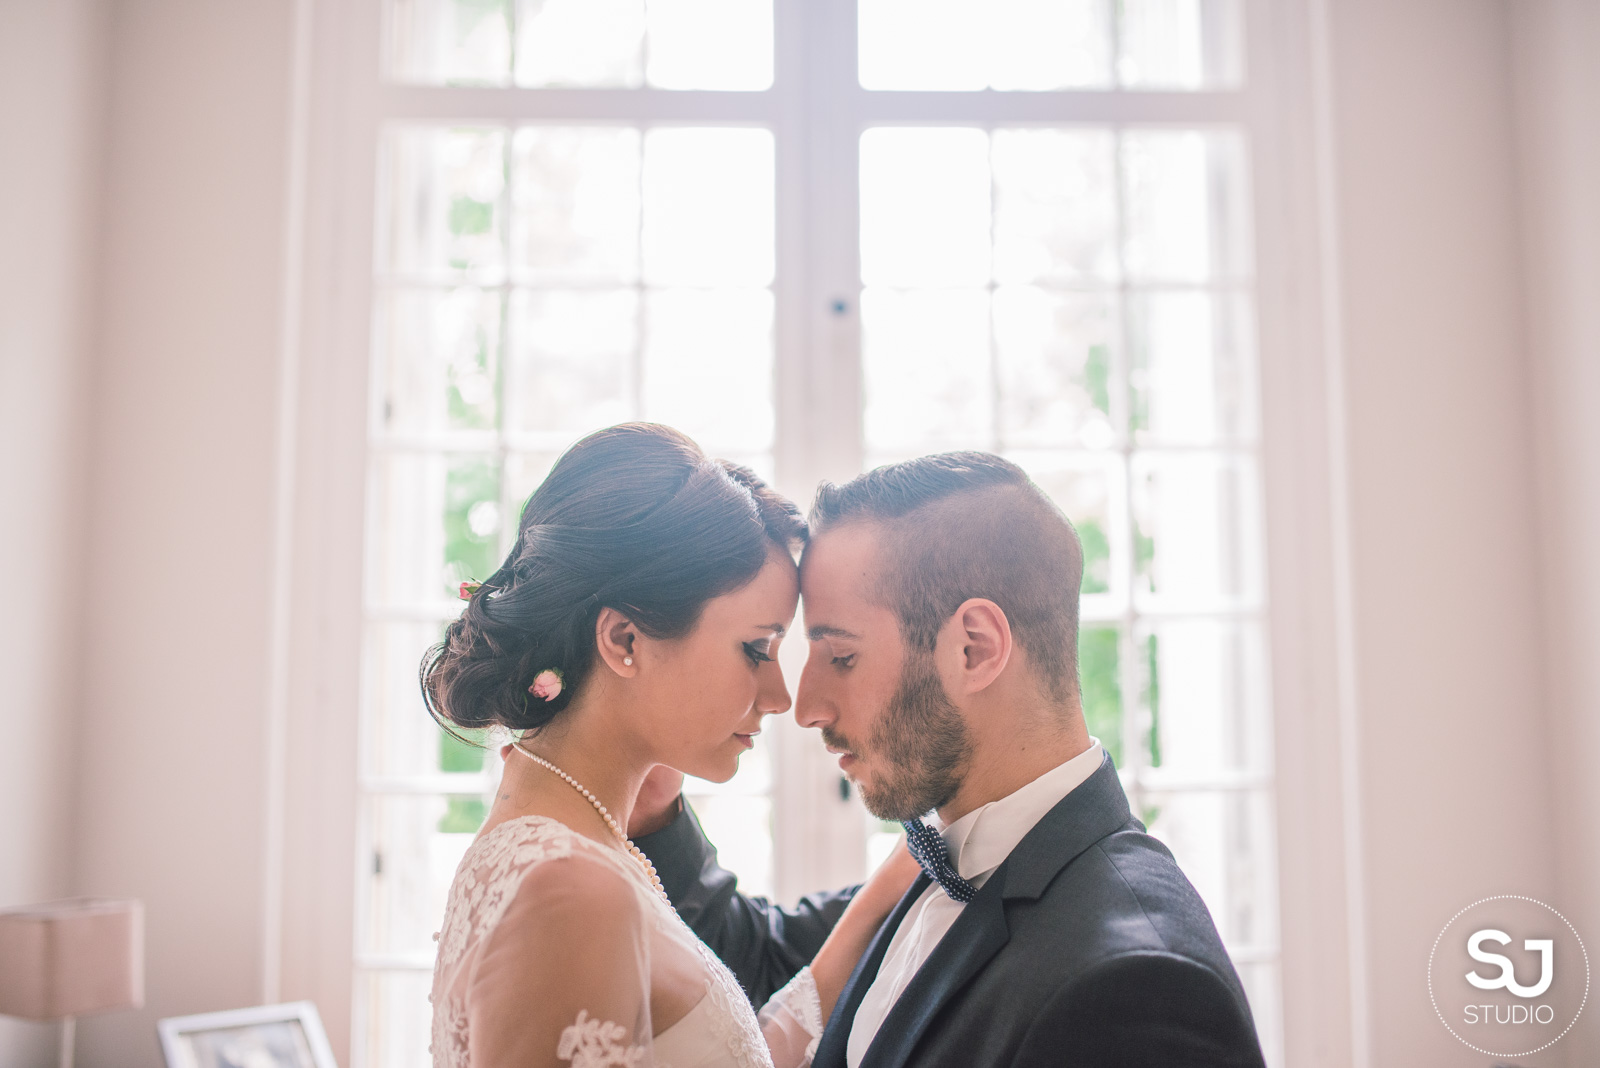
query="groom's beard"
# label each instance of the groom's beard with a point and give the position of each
(920, 748)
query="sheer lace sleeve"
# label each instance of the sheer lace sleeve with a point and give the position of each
(563, 980)
(791, 1022)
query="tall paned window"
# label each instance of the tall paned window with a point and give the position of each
(818, 237)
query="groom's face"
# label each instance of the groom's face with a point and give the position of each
(879, 704)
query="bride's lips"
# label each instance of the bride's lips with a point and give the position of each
(749, 740)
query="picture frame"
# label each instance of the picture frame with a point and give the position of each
(289, 1035)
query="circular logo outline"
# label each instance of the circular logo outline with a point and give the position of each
(1587, 975)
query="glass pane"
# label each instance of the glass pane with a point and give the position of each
(399, 737)
(1100, 683)
(1056, 354)
(1055, 206)
(710, 44)
(571, 361)
(575, 204)
(524, 472)
(413, 862)
(1203, 696)
(1224, 841)
(741, 826)
(583, 43)
(1180, 44)
(708, 366)
(439, 351)
(450, 42)
(1262, 986)
(1185, 203)
(435, 524)
(921, 44)
(1192, 377)
(708, 207)
(397, 1020)
(1084, 491)
(440, 212)
(926, 370)
(1048, 44)
(1196, 521)
(957, 45)
(924, 207)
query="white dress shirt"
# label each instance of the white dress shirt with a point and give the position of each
(978, 842)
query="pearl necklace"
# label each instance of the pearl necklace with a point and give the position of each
(627, 843)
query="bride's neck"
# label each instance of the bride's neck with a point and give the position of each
(584, 743)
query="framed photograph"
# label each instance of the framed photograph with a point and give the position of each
(268, 1036)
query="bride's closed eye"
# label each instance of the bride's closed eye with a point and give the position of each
(756, 654)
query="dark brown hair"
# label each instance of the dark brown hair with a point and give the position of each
(634, 517)
(970, 524)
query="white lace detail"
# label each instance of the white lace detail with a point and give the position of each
(598, 1044)
(734, 1022)
(488, 880)
(489, 876)
(799, 996)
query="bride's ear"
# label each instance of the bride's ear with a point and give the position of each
(615, 635)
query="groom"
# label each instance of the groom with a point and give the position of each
(941, 604)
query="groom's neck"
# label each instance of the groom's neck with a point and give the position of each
(1006, 757)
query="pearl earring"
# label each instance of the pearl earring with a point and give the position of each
(628, 660)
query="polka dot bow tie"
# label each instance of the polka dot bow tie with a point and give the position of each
(927, 845)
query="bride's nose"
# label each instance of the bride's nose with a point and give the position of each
(772, 694)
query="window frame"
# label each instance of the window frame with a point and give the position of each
(1283, 110)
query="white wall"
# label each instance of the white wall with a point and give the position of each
(51, 124)
(1557, 94)
(1456, 801)
(1468, 153)
(170, 798)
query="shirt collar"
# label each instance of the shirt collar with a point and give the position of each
(982, 839)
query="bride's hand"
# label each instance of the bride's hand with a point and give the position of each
(657, 803)
(867, 910)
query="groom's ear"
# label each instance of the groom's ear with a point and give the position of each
(981, 634)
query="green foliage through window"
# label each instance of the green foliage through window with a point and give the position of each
(469, 216)
(463, 815)
(456, 755)
(1096, 556)
(1098, 662)
(471, 520)
(1153, 698)
(1097, 377)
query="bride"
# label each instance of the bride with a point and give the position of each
(635, 623)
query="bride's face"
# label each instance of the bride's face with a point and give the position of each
(705, 696)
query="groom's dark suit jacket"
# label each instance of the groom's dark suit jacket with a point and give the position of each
(1087, 947)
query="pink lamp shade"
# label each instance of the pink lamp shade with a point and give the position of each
(71, 958)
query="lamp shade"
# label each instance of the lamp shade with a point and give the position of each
(70, 958)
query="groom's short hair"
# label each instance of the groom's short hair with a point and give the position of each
(958, 525)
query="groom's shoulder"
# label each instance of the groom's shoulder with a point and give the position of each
(1124, 894)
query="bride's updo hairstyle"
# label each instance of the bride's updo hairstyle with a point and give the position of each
(634, 517)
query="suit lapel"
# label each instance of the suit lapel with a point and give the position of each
(836, 1035)
(1097, 808)
(971, 942)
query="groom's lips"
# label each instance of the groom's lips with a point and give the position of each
(846, 758)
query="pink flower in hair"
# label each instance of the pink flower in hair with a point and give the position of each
(470, 588)
(547, 684)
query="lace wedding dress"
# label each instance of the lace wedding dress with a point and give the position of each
(556, 950)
